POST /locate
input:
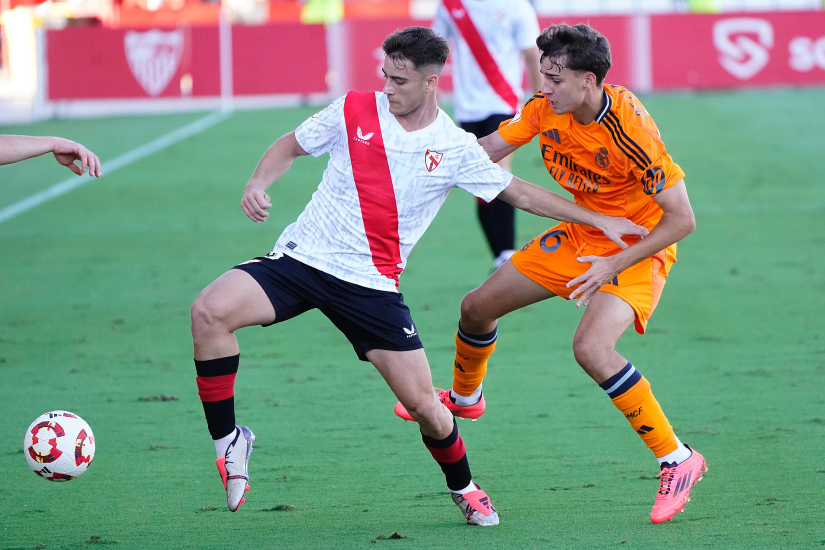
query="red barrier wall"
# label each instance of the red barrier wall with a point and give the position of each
(362, 41)
(617, 30)
(279, 59)
(96, 62)
(686, 51)
(712, 51)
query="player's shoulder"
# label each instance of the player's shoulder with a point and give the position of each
(447, 130)
(328, 113)
(624, 107)
(533, 105)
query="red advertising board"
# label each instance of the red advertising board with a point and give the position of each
(98, 63)
(731, 50)
(283, 58)
(361, 41)
(617, 30)
(681, 51)
(362, 44)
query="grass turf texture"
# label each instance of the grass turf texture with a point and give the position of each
(96, 288)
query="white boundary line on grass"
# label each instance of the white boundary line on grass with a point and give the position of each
(117, 163)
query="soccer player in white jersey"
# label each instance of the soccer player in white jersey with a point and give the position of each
(394, 156)
(493, 43)
(66, 152)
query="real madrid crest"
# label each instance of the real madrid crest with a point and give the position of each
(602, 159)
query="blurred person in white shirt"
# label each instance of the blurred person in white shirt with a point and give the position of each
(493, 43)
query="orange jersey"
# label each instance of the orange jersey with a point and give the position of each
(615, 165)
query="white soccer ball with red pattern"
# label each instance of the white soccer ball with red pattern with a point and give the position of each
(59, 446)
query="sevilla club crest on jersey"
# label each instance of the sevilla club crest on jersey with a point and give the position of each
(432, 159)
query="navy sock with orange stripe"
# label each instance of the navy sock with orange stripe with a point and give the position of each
(451, 455)
(216, 388)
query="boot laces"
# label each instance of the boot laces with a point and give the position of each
(667, 475)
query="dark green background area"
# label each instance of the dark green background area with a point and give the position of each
(95, 289)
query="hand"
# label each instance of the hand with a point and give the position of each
(614, 228)
(602, 270)
(66, 152)
(255, 203)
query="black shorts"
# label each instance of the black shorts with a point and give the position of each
(369, 318)
(481, 128)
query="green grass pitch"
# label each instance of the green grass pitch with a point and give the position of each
(95, 289)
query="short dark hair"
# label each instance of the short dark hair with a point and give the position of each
(419, 45)
(582, 46)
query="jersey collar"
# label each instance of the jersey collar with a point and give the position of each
(608, 102)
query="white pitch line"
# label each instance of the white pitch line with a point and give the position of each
(117, 163)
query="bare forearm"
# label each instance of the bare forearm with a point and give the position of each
(17, 148)
(672, 228)
(541, 202)
(275, 162)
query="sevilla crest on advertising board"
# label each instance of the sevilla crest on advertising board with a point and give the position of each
(154, 57)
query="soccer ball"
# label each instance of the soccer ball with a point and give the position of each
(59, 446)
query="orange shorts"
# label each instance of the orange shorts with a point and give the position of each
(550, 260)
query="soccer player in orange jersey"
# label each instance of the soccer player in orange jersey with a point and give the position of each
(599, 143)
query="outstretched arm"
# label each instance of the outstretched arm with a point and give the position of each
(66, 152)
(274, 164)
(677, 223)
(495, 146)
(541, 202)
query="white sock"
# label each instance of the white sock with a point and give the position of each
(222, 444)
(466, 401)
(503, 257)
(471, 487)
(678, 456)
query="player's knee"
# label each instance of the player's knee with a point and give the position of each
(422, 407)
(589, 351)
(473, 310)
(205, 314)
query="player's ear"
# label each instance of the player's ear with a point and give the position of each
(589, 81)
(432, 81)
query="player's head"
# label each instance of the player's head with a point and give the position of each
(574, 61)
(413, 63)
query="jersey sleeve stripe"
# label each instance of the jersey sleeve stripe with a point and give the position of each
(627, 139)
(618, 141)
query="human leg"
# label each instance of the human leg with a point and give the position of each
(504, 291)
(498, 221)
(408, 375)
(233, 301)
(606, 318)
(497, 218)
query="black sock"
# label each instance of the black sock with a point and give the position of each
(498, 220)
(452, 457)
(216, 387)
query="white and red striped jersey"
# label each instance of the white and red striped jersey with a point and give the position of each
(487, 39)
(381, 189)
